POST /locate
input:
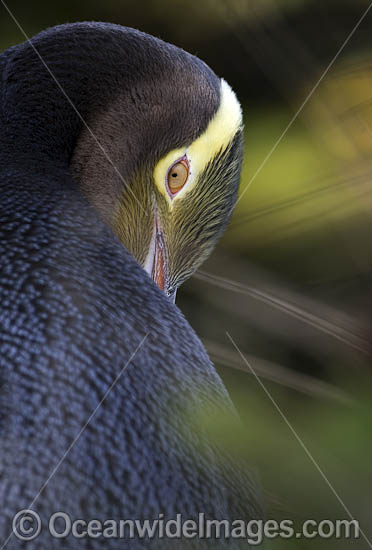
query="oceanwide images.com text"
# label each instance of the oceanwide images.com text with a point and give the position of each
(27, 525)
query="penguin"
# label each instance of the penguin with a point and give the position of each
(120, 160)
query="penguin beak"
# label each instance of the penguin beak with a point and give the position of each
(159, 267)
(156, 261)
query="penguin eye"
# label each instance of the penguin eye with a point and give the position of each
(177, 176)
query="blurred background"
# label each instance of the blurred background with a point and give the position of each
(291, 280)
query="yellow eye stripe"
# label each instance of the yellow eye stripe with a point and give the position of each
(220, 131)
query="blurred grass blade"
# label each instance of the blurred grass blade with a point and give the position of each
(277, 373)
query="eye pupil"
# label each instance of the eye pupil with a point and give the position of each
(177, 176)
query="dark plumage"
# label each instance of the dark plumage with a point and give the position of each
(75, 304)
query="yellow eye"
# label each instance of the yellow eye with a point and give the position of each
(177, 176)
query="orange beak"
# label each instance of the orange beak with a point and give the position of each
(159, 272)
(156, 261)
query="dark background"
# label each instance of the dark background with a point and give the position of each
(291, 279)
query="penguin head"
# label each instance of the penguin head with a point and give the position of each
(154, 139)
(162, 160)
